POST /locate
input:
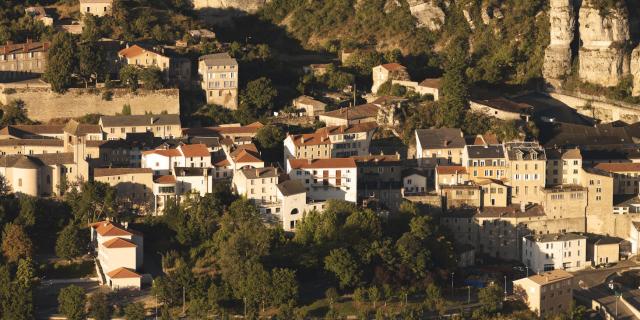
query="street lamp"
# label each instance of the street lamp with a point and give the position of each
(527, 267)
(452, 273)
(505, 287)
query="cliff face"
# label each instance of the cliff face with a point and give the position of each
(427, 13)
(243, 5)
(557, 57)
(604, 38)
(604, 57)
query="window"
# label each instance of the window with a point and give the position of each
(19, 182)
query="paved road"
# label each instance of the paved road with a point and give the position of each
(603, 294)
(593, 277)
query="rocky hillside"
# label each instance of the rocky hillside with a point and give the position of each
(598, 38)
(243, 5)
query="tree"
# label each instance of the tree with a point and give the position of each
(14, 113)
(490, 298)
(332, 295)
(151, 78)
(71, 302)
(126, 110)
(258, 97)
(433, 300)
(344, 266)
(16, 243)
(270, 137)
(455, 89)
(91, 61)
(25, 272)
(284, 286)
(99, 307)
(70, 243)
(129, 75)
(134, 311)
(61, 62)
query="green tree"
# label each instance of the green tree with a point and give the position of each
(270, 137)
(14, 113)
(25, 272)
(455, 89)
(99, 308)
(332, 296)
(126, 110)
(91, 61)
(345, 267)
(71, 302)
(258, 97)
(61, 62)
(134, 311)
(490, 298)
(15, 243)
(433, 300)
(129, 75)
(151, 78)
(70, 243)
(18, 304)
(284, 286)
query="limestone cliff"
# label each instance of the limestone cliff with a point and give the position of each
(243, 5)
(635, 70)
(427, 13)
(557, 60)
(604, 39)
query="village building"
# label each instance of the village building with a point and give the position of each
(563, 166)
(485, 162)
(165, 126)
(443, 146)
(546, 252)
(164, 161)
(23, 60)
(388, 72)
(326, 179)
(219, 75)
(502, 108)
(331, 142)
(98, 8)
(175, 68)
(526, 171)
(380, 178)
(547, 293)
(134, 186)
(120, 255)
(311, 106)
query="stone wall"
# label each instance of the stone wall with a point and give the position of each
(42, 104)
(604, 110)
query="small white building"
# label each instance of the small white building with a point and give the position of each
(545, 252)
(634, 236)
(326, 179)
(163, 161)
(119, 252)
(98, 8)
(414, 182)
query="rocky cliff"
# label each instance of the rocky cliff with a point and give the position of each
(605, 38)
(557, 57)
(427, 13)
(243, 5)
(604, 56)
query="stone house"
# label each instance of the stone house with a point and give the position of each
(219, 79)
(23, 60)
(311, 107)
(442, 146)
(98, 8)
(388, 72)
(547, 293)
(165, 126)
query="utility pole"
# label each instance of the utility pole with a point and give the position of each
(244, 300)
(468, 294)
(505, 288)
(156, 313)
(452, 273)
(184, 301)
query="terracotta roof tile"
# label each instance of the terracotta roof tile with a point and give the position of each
(123, 273)
(451, 169)
(165, 179)
(194, 150)
(619, 167)
(106, 228)
(105, 172)
(322, 163)
(118, 243)
(393, 66)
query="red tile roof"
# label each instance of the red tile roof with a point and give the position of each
(194, 150)
(619, 167)
(134, 51)
(451, 169)
(393, 66)
(123, 273)
(245, 156)
(165, 179)
(106, 228)
(164, 152)
(322, 163)
(118, 243)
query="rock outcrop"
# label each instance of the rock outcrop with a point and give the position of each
(557, 56)
(635, 71)
(242, 5)
(603, 54)
(428, 14)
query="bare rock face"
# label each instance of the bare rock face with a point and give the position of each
(469, 19)
(242, 5)
(557, 56)
(428, 14)
(635, 70)
(602, 55)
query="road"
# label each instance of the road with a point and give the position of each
(603, 294)
(593, 277)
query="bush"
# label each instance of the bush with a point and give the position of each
(107, 95)
(9, 91)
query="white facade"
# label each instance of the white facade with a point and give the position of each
(414, 183)
(634, 236)
(326, 178)
(120, 254)
(99, 8)
(554, 251)
(164, 161)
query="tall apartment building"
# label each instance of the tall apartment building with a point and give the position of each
(625, 177)
(545, 252)
(563, 166)
(547, 293)
(21, 60)
(326, 179)
(485, 162)
(331, 142)
(219, 76)
(526, 173)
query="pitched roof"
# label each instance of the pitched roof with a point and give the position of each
(485, 152)
(291, 187)
(441, 138)
(109, 229)
(39, 159)
(505, 104)
(322, 163)
(122, 273)
(525, 151)
(34, 129)
(451, 170)
(194, 150)
(32, 142)
(165, 179)
(164, 152)
(140, 120)
(431, 83)
(550, 277)
(246, 156)
(551, 237)
(118, 243)
(310, 101)
(223, 130)
(136, 50)
(25, 47)
(258, 173)
(218, 59)
(352, 128)
(411, 171)
(512, 211)
(378, 160)
(106, 172)
(393, 66)
(80, 129)
(619, 167)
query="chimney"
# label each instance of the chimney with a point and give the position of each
(126, 225)
(446, 142)
(523, 207)
(309, 161)
(302, 139)
(257, 172)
